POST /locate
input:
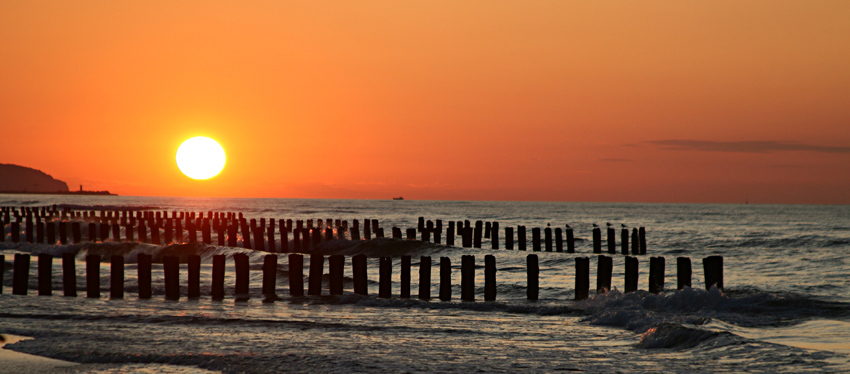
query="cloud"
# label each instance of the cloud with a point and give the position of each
(743, 147)
(615, 160)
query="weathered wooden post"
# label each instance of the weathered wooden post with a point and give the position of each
(425, 277)
(29, 229)
(358, 268)
(93, 276)
(656, 274)
(521, 237)
(635, 242)
(559, 239)
(385, 277)
(336, 264)
(259, 242)
(367, 229)
(193, 267)
(624, 241)
(355, 231)
(284, 239)
(445, 279)
(547, 235)
(155, 238)
(246, 234)
(450, 234)
(631, 281)
(466, 237)
(15, 228)
(269, 277)
(467, 278)
(535, 239)
(243, 278)
(487, 229)
(604, 269)
(494, 235)
(509, 238)
(612, 243)
(425, 234)
(116, 232)
(437, 233)
(329, 234)
(642, 239)
(69, 274)
(206, 233)
(168, 231)
(490, 275)
(171, 268)
(411, 234)
(143, 269)
(476, 236)
(63, 233)
(92, 232)
(45, 274)
(217, 284)
(713, 269)
(296, 239)
(582, 277)
(396, 233)
(683, 273)
(533, 275)
(51, 232)
(232, 235)
(597, 240)
(571, 241)
(129, 229)
(317, 268)
(404, 293)
(116, 277)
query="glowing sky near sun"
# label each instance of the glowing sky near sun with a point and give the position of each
(497, 100)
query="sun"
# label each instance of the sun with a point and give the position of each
(200, 158)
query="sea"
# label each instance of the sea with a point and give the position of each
(785, 306)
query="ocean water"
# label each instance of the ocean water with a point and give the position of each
(785, 306)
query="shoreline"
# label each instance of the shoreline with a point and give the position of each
(22, 363)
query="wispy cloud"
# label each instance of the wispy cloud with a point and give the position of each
(743, 147)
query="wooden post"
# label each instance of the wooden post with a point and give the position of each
(116, 277)
(509, 238)
(171, 268)
(367, 229)
(206, 233)
(642, 239)
(467, 278)
(259, 243)
(128, 232)
(39, 232)
(143, 269)
(445, 279)
(192, 231)
(243, 277)
(63, 233)
(93, 276)
(269, 277)
(296, 274)
(355, 231)
(437, 232)
(535, 239)
(232, 234)
(571, 241)
(92, 232)
(284, 239)
(411, 234)
(582, 278)
(217, 285)
(624, 241)
(69, 274)
(494, 235)
(683, 273)
(51, 232)
(385, 278)
(490, 274)
(521, 237)
(336, 265)
(246, 234)
(487, 229)
(547, 235)
(425, 276)
(143, 232)
(193, 265)
(405, 277)
(597, 240)
(155, 234)
(533, 275)
(559, 240)
(396, 233)
(631, 281)
(713, 269)
(656, 274)
(75, 232)
(29, 229)
(450, 234)
(45, 274)
(466, 237)
(426, 234)
(15, 228)
(358, 267)
(329, 234)
(317, 267)
(635, 242)
(220, 230)
(612, 242)
(476, 236)
(604, 268)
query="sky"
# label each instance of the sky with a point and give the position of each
(608, 101)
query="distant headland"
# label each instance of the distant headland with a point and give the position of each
(16, 179)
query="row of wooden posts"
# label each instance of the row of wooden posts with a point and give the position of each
(713, 269)
(164, 230)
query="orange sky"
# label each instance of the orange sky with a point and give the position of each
(542, 100)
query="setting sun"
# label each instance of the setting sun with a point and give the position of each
(200, 158)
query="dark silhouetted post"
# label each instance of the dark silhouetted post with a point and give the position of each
(51, 232)
(193, 267)
(624, 241)
(217, 285)
(597, 240)
(642, 240)
(296, 274)
(92, 232)
(15, 228)
(425, 277)
(467, 278)
(336, 264)
(612, 242)
(487, 229)
(404, 293)
(533, 275)
(466, 237)
(411, 234)
(143, 232)
(535, 239)
(713, 268)
(93, 276)
(656, 274)
(232, 235)
(385, 278)
(45, 274)
(559, 240)
(509, 238)
(128, 232)
(631, 281)
(520, 233)
(317, 267)
(571, 241)
(396, 233)
(445, 279)
(582, 277)
(635, 242)
(155, 234)
(206, 233)
(171, 268)
(269, 276)
(29, 230)
(683, 273)
(75, 232)
(284, 239)
(69, 274)
(494, 235)
(476, 237)
(63, 233)
(358, 268)
(243, 277)
(490, 275)
(116, 277)
(450, 234)
(547, 235)
(143, 272)
(259, 243)
(604, 268)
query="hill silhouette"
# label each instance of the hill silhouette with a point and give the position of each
(16, 178)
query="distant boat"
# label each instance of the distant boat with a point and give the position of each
(398, 198)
